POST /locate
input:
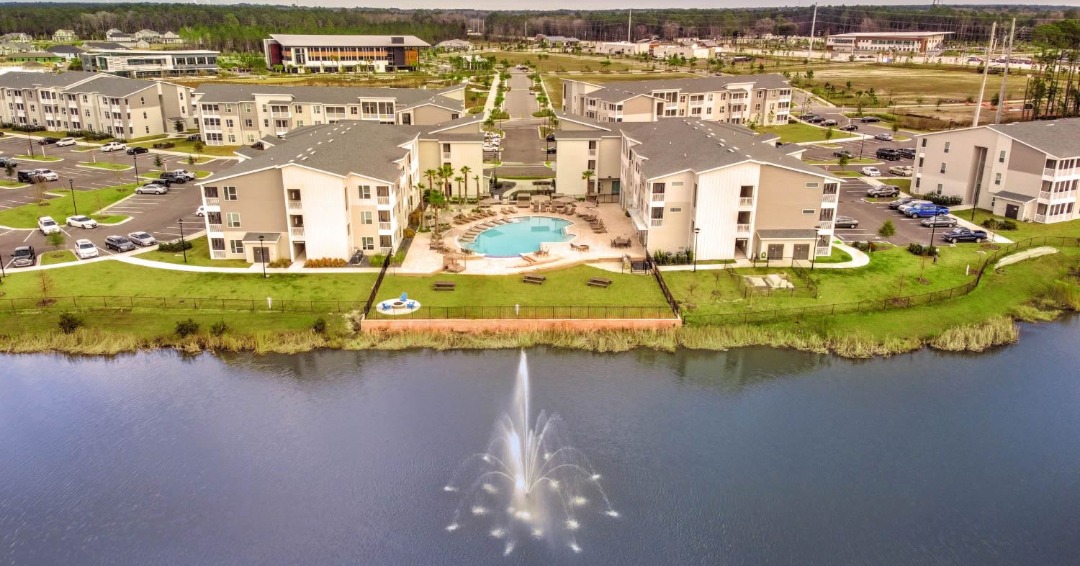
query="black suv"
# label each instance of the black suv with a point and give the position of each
(136, 150)
(28, 177)
(888, 154)
(48, 141)
(171, 177)
(907, 152)
(5, 161)
(23, 256)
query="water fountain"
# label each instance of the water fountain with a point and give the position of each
(530, 483)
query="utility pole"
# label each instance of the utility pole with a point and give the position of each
(1005, 74)
(986, 73)
(629, 21)
(813, 26)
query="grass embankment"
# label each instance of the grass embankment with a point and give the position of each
(38, 158)
(799, 133)
(60, 256)
(12, 184)
(60, 206)
(1024, 229)
(105, 165)
(199, 254)
(182, 145)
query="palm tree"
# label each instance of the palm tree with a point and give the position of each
(445, 173)
(423, 202)
(430, 174)
(587, 175)
(465, 170)
(458, 180)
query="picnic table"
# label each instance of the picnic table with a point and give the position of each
(531, 278)
(599, 282)
(444, 286)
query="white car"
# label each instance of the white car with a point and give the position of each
(201, 211)
(85, 249)
(113, 146)
(64, 142)
(152, 188)
(47, 225)
(871, 171)
(81, 222)
(46, 174)
(185, 174)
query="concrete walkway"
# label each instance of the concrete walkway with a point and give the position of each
(858, 259)
(1026, 254)
(492, 92)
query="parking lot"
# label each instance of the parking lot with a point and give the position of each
(871, 215)
(156, 214)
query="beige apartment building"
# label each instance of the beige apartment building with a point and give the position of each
(762, 99)
(96, 102)
(327, 191)
(1028, 171)
(718, 189)
(243, 114)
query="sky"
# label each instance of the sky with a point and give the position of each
(600, 4)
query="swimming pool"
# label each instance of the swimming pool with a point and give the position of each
(521, 235)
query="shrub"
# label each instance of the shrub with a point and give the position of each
(174, 246)
(219, 328)
(995, 224)
(943, 200)
(69, 322)
(186, 328)
(280, 262)
(410, 233)
(319, 326)
(326, 262)
(919, 249)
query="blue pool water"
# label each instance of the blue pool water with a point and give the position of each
(523, 235)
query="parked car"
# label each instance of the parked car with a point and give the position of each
(904, 208)
(907, 152)
(901, 170)
(829, 122)
(81, 222)
(900, 202)
(883, 191)
(846, 222)
(887, 153)
(6, 161)
(136, 150)
(85, 249)
(870, 119)
(871, 171)
(885, 136)
(849, 128)
(964, 235)
(64, 142)
(550, 137)
(119, 243)
(927, 211)
(815, 120)
(171, 177)
(550, 151)
(143, 239)
(152, 188)
(113, 146)
(47, 174)
(809, 117)
(843, 153)
(47, 225)
(23, 256)
(48, 141)
(939, 222)
(194, 137)
(201, 211)
(185, 174)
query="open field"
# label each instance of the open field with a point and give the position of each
(60, 206)
(914, 84)
(561, 62)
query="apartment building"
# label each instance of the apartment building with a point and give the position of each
(326, 191)
(343, 53)
(244, 114)
(139, 63)
(79, 100)
(762, 99)
(682, 181)
(914, 42)
(64, 36)
(1025, 170)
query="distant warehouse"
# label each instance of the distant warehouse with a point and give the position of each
(343, 53)
(917, 42)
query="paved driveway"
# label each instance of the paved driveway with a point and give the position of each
(871, 215)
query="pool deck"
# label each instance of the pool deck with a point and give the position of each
(422, 260)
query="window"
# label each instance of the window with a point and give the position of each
(943, 167)
(1001, 156)
(920, 162)
(210, 192)
(217, 244)
(232, 219)
(368, 243)
(228, 123)
(592, 165)
(386, 241)
(248, 123)
(947, 148)
(997, 178)
(807, 211)
(365, 192)
(939, 187)
(658, 189)
(365, 217)
(236, 246)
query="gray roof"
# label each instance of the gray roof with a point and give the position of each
(362, 148)
(788, 234)
(64, 49)
(112, 85)
(30, 80)
(1059, 138)
(106, 45)
(619, 91)
(267, 236)
(1009, 195)
(680, 144)
(348, 40)
(406, 97)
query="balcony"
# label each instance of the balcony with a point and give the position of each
(657, 197)
(212, 201)
(828, 199)
(1049, 172)
(385, 226)
(657, 222)
(742, 228)
(823, 251)
(293, 204)
(383, 201)
(296, 231)
(281, 115)
(214, 227)
(825, 225)
(217, 254)
(1056, 196)
(746, 202)
(1040, 218)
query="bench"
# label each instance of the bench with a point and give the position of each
(599, 282)
(444, 285)
(538, 279)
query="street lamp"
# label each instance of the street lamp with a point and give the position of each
(30, 142)
(3, 274)
(71, 183)
(183, 246)
(262, 254)
(697, 230)
(135, 160)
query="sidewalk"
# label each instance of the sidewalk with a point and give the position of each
(858, 259)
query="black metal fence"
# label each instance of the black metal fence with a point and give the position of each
(663, 284)
(107, 302)
(378, 283)
(526, 312)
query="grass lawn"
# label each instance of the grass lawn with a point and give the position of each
(62, 256)
(917, 83)
(563, 288)
(60, 206)
(11, 184)
(185, 146)
(837, 256)
(557, 62)
(798, 133)
(105, 165)
(113, 278)
(199, 254)
(856, 161)
(1026, 229)
(39, 157)
(845, 173)
(903, 182)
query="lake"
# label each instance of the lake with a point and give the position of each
(752, 456)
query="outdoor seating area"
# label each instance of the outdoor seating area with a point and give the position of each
(444, 286)
(599, 282)
(533, 278)
(621, 242)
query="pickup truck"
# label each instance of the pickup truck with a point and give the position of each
(927, 211)
(964, 235)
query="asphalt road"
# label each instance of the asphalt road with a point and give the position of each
(157, 214)
(871, 215)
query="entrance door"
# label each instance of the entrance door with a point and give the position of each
(801, 251)
(262, 254)
(776, 251)
(1012, 211)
